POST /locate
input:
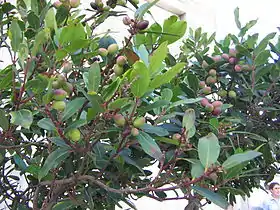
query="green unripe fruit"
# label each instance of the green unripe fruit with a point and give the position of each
(119, 120)
(176, 136)
(68, 87)
(139, 122)
(67, 67)
(222, 93)
(74, 135)
(106, 8)
(209, 107)
(204, 64)
(59, 94)
(247, 67)
(206, 90)
(121, 60)
(212, 72)
(61, 79)
(135, 1)
(134, 132)
(59, 105)
(56, 85)
(142, 24)
(118, 70)
(232, 52)
(103, 52)
(121, 2)
(113, 48)
(232, 94)
(211, 80)
(74, 3)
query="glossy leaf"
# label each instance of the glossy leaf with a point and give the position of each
(149, 145)
(4, 122)
(143, 9)
(118, 103)
(157, 58)
(154, 130)
(210, 195)
(208, 150)
(109, 92)
(262, 58)
(94, 78)
(141, 79)
(15, 35)
(72, 108)
(188, 119)
(46, 124)
(52, 161)
(185, 101)
(197, 169)
(20, 163)
(237, 159)
(22, 117)
(236, 17)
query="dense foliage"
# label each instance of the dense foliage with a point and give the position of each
(83, 117)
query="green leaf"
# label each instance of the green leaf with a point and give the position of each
(60, 143)
(94, 78)
(40, 39)
(33, 20)
(157, 58)
(143, 54)
(4, 122)
(262, 58)
(61, 14)
(167, 76)
(22, 117)
(141, 79)
(156, 104)
(208, 150)
(72, 107)
(143, 9)
(96, 102)
(242, 50)
(52, 161)
(75, 124)
(154, 130)
(248, 25)
(210, 195)
(166, 94)
(50, 20)
(126, 155)
(237, 159)
(109, 92)
(118, 103)
(46, 124)
(214, 122)
(167, 140)
(20, 163)
(236, 17)
(188, 119)
(263, 44)
(63, 205)
(173, 30)
(250, 135)
(15, 35)
(149, 145)
(197, 169)
(185, 101)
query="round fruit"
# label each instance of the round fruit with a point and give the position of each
(206, 90)
(232, 52)
(217, 111)
(247, 67)
(57, 4)
(134, 132)
(119, 120)
(103, 52)
(142, 24)
(59, 105)
(68, 87)
(217, 104)
(217, 58)
(113, 48)
(176, 136)
(94, 5)
(126, 20)
(135, 1)
(209, 107)
(61, 79)
(232, 94)
(67, 67)
(222, 93)
(139, 122)
(204, 64)
(204, 102)
(56, 85)
(74, 135)
(74, 3)
(212, 72)
(211, 80)
(225, 56)
(202, 84)
(121, 60)
(59, 94)
(237, 68)
(118, 70)
(232, 60)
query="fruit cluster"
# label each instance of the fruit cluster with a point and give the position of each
(135, 25)
(67, 3)
(215, 107)
(137, 123)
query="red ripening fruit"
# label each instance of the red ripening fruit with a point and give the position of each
(176, 136)
(232, 60)
(103, 52)
(217, 104)
(212, 72)
(139, 122)
(126, 20)
(121, 60)
(225, 56)
(209, 107)
(211, 80)
(74, 3)
(217, 58)
(206, 90)
(134, 132)
(237, 68)
(119, 120)
(57, 4)
(204, 102)
(232, 52)
(59, 94)
(217, 111)
(202, 84)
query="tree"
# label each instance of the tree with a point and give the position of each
(83, 117)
